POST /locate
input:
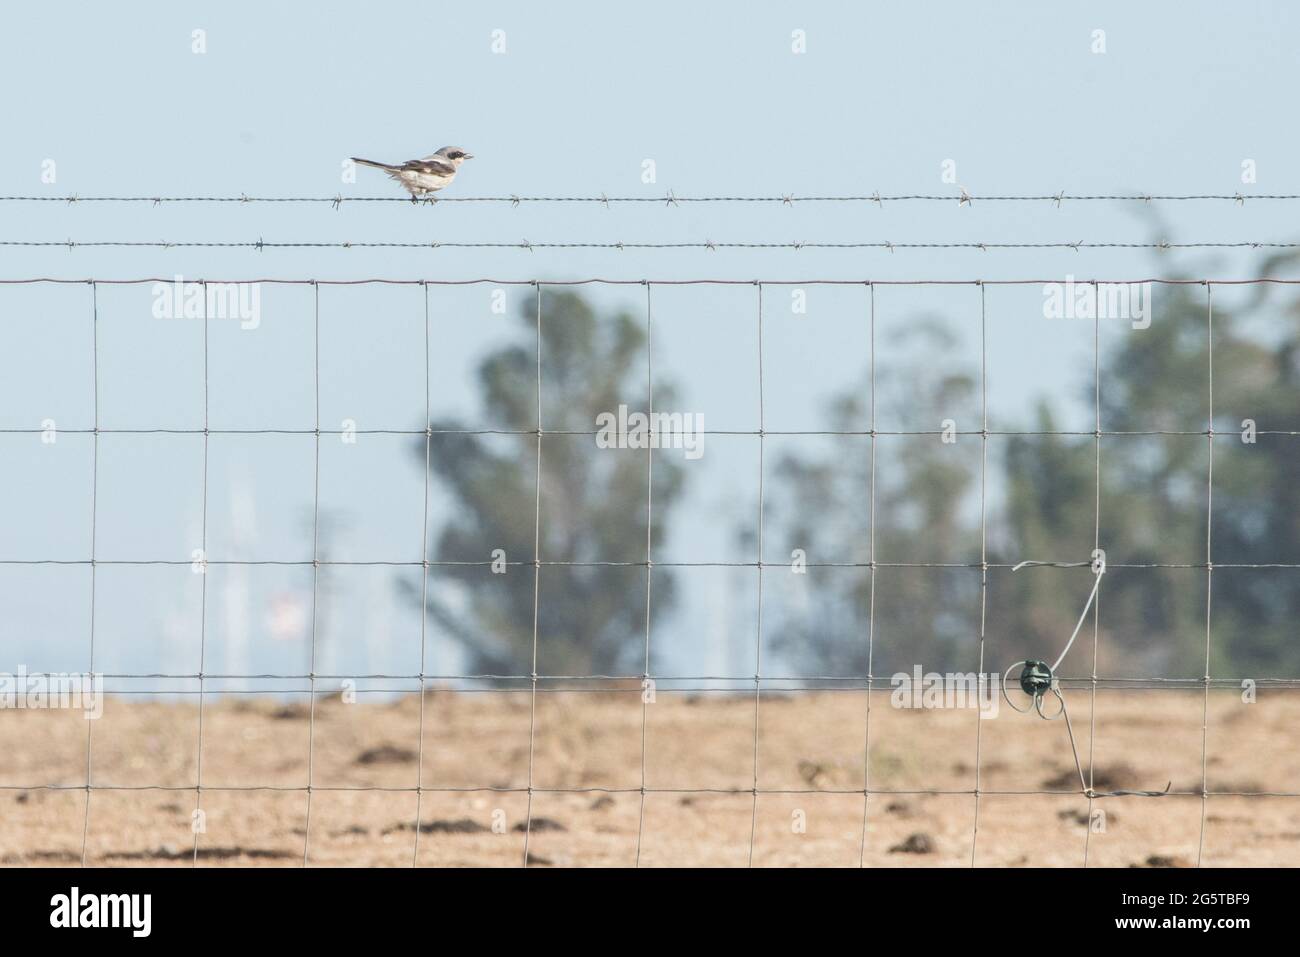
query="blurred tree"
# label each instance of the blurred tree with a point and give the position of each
(1043, 506)
(1155, 488)
(590, 617)
(822, 505)
(1257, 485)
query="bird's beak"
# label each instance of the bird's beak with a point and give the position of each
(468, 156)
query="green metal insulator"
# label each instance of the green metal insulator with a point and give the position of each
(1036, 678)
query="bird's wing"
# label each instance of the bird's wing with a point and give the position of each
(429, 164)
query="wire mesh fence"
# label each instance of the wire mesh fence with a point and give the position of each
(757, 691)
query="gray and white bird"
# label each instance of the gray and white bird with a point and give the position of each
(421, 177)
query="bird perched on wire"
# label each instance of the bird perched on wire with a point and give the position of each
(423, 177)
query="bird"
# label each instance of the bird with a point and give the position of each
(423, 177)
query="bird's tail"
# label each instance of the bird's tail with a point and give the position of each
(366, 162)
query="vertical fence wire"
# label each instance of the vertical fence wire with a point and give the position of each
(984, 555)
(537, 586)
(871, 560)
(758, 638)
(1096, 544)
(649, 544)
(315, 579)
(424, 581)
(1209, 563)
(203, 594)
(94, 506)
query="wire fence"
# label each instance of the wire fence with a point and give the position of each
(706, 245)
(534, 683)
(672, 199)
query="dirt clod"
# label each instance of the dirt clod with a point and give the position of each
(539, 824)
(386, 754)
(917, 843)
(1160, 860)
(463, 825)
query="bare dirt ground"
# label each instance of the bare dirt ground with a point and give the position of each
(699, 772)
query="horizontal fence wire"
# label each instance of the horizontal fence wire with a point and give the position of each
(741, 432)
(599, 789)
(436, 563)
(863, 681)
(603, 281)
(527, 246)
(672, 199)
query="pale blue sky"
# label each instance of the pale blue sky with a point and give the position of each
(585, 92)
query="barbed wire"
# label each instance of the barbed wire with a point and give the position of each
(670, 199)
(707, 244)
